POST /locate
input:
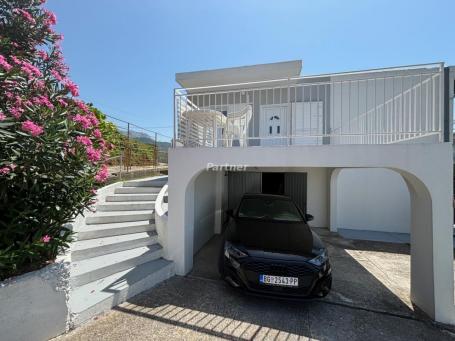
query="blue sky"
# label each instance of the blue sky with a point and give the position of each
(124, 54)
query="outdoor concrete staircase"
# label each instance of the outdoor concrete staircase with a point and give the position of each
(117, 254)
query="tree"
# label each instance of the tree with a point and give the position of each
(52, 151)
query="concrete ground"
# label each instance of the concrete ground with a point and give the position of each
(369, 300)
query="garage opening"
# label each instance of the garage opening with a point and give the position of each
(358, 265)
(273, 183)
(292, 184)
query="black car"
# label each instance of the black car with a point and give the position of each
(268, 248)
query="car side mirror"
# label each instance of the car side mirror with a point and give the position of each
(230, 212)
(309, 217)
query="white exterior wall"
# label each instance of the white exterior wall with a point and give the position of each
(34, 306)
(208, 206)
(318, 196)
(204, 208)
(373, 200)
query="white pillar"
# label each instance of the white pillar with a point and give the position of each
(181, 216)
(334, 200)
(432, 282)
(219, 201)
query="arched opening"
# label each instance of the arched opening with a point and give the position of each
(428, 280)
(372, 275)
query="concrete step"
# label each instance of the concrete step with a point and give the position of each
(126, 206)
(131, 197)
(92, 269)
(96, 297)
(136, 190)
(119, 217)
(146, 183)
(83, 249)
(114, 229)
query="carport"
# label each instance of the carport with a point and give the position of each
(195, 194)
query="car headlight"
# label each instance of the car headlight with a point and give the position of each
(231, 251)
(320, 259)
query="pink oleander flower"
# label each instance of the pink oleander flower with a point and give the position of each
(93, 120)
(16, 60)
(12, 166)
(26, 15)
(32, 128)
(2, 116)
(5, 170)
(93, 154)
(16, 112)
(42, 54)
(102, 174)
(9, 94)
(97, 133)
(4, 64)
(30, 70)
(42, 100)
(103, 144)
(17, 101)
(46, 239)
(81, 105)
(57, 75)
(72, 87)
(84, 140)
(82, 120)
(51, 18)
(62, 102)
(39, 84)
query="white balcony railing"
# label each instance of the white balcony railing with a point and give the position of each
(378, 106)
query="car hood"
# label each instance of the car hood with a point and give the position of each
(272, 239)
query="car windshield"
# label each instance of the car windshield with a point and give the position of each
(266, 208)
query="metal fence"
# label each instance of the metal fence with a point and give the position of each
(137, 151)
(378, 106)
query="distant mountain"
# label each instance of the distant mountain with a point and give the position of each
(147, 139)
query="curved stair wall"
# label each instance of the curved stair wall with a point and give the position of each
(161, 217)
(117, 252)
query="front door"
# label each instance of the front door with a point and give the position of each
(273, 125)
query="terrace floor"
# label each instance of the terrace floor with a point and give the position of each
(369, 300)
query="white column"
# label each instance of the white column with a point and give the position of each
(219, 201)
(181, 216)
(334, 200)
(432, 282)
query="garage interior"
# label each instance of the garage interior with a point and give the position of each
(369, 275)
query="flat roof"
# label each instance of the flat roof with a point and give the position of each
(242, 74)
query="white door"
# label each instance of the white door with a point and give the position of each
(273, 125)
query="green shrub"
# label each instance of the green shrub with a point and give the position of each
(51, 150)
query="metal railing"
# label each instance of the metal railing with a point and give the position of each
(137, 150)
(377, 106)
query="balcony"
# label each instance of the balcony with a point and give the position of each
(380, 106)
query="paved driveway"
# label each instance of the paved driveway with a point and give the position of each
(369, 301)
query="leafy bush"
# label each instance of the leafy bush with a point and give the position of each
(51, 149)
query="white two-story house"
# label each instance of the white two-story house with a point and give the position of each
(360, 151)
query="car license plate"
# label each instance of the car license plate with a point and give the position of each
(279, 280)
